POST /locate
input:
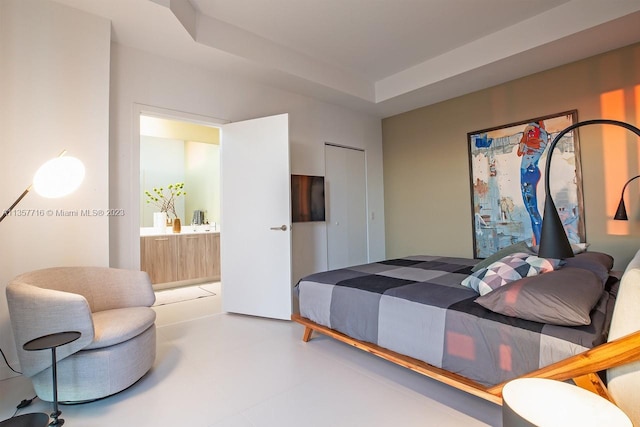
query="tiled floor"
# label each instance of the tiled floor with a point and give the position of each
(224, 370)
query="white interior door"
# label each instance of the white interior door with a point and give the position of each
(255, 236)
(345, 186)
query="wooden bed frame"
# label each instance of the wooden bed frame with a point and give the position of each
(581, 368)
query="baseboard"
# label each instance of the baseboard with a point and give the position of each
(5, 372)
(182, 283)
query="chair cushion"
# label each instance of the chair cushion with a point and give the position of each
(119, 325)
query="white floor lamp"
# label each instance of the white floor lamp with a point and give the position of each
(57, 177)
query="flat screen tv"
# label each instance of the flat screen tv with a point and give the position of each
(307, 198)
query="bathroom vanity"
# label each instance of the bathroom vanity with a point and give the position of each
(186, 256)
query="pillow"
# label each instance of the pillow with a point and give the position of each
(596, 262)
(564, 297)
(508, 269)
(577, 248)
(516, 247)
(588, 259)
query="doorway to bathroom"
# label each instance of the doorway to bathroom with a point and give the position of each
(179, 202)
(254, 225)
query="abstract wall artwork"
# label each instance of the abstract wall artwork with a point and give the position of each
(507, 167)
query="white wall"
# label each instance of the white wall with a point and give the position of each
(139, 78)
(54, 86)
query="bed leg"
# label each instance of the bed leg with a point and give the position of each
(307, 334)
(593, 383)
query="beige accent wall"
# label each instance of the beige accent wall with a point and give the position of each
(426, 165)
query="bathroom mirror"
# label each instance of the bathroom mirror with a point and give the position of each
(180, 152)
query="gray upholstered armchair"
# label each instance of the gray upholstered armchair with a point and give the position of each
(110, 307)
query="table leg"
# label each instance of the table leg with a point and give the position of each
(56, 413)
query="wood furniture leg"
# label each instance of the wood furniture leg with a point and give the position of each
(307, 334)
(593, 383)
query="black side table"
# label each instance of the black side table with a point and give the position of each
(27, 420)
(52, 342)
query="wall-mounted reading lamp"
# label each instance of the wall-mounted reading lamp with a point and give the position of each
(57, 177)
(621, 212)
(553, 239)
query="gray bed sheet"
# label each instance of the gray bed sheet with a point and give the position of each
(416, 306)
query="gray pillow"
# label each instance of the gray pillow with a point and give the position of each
(600, 258)
(562, 297)
(597, 262)
(516, 247)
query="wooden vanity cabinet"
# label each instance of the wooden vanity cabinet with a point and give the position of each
(212, 245)
(178, 257)
(192, 256)
(158, 256)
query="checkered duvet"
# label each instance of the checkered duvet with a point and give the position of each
(417, 307)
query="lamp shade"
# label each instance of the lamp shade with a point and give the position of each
(621, 212)
(538, 402)
(58, 177)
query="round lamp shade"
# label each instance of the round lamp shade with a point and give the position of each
(540, 402)
(58, 177)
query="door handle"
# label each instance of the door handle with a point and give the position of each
(281, 228)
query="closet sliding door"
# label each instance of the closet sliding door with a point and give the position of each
(346, 197)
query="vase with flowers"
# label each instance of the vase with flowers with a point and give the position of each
(165, 199)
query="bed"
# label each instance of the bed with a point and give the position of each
(414, 312)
